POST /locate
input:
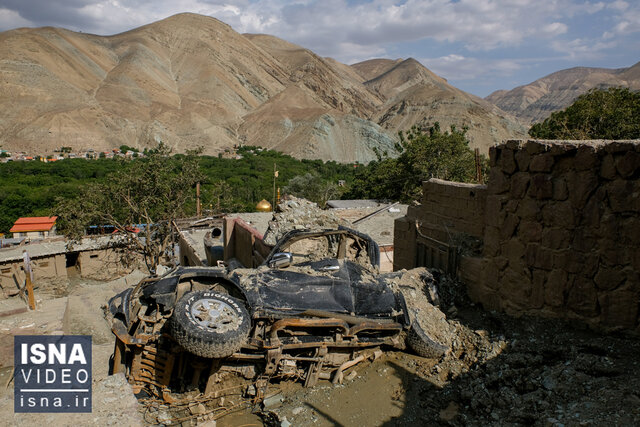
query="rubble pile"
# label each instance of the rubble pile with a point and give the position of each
(545, 373)
(298, 214)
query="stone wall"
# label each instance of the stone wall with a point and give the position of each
(105, 264)
(450, 213)
(561, 232)
(45, 269)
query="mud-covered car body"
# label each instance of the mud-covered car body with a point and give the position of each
(315, 304)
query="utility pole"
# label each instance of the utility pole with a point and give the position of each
(198, 210)
(275, 175)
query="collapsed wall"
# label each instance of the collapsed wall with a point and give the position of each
(561, 231)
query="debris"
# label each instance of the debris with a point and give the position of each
(351, 375)
(272, 402)
(198, 409)
(450, 412)
(297, 214)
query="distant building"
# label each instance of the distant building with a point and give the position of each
(34, 227)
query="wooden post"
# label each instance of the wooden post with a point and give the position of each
(478, 167)
(275, 175)
(198, 209)
(28, 283)
(32, 301)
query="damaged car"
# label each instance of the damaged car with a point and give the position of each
(315, 307)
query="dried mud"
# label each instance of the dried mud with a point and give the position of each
(501, 371)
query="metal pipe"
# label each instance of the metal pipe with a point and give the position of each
(337, 378)
(353, 320)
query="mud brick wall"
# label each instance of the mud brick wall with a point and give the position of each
(447, 211)
(451, 208)
(562, 233)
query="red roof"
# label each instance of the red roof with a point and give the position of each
(33, 223)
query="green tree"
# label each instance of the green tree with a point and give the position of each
(425, 154)
(147, 193)
(312, 187)
(599, 114)
(222, 198)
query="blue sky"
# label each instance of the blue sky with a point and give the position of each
(477, 45)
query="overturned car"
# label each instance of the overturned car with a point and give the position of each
(315, 307)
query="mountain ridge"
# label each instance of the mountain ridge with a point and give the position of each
(191, 80)
(535, 101)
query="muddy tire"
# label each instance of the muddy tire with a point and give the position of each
(210, 324)
(424, 346)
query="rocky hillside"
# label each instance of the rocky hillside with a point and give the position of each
(536, 101)
(414, 95)
(191, 80)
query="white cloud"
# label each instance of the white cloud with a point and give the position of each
(583, 49)
(626, 20)
(555, 29)
(619, 5)
(11, 19)
(321, 24)
(461, 68)
(354, 30)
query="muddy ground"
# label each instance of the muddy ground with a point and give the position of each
(547, 373)
(502, 371)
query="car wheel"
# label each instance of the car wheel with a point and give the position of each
(210, 324)
(424, 346)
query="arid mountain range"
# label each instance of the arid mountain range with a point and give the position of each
(191, 80)
(536, 101)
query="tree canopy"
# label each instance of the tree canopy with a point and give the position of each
(140, 200)
(233, 184)
(599, 114)
(425, 153)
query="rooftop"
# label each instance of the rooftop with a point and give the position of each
(33, 223)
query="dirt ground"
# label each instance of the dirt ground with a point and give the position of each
(546, 373)
(501, 371)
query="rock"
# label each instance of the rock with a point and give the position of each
(548, 383)
(541, 163)
(272, 402)
(285, 422)
(198, 409)
(450, 412)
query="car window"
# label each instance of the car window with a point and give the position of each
(328, 246)
(313, 249)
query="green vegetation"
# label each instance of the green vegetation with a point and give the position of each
(31, 188)
(311, 187)
(159, 187)
(152, 192)
(125, 148)
(251, 178)
(424, 155)
(598, 114)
